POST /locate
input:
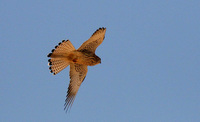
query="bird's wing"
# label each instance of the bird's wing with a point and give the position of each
(77, 75)
(58, 60)
(94, 41)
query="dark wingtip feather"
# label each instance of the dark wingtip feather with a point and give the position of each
(50, 63)
(52, 50)
(68, 103)
(63, 40)
(69, 99)
(49, 55)
(101, 28)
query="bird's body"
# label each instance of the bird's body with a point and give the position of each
(84, 58)
(65, 54)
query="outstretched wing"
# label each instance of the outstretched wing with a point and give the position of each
(94, 41)
(77, 75)
(58, 60)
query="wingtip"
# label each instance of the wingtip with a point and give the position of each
(52, 50)
(101, 28)
(49, 55)
(51, 71)
(49, 64)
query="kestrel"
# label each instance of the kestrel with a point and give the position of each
(65, 54)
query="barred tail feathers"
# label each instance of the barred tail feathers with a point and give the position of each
(61, 49)
(58, 56)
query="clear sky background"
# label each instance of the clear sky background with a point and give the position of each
(150, 69)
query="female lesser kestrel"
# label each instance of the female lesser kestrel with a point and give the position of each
(65, 54)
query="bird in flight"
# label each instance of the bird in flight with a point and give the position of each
(65, 54)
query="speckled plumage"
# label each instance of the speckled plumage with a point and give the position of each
(65, 54)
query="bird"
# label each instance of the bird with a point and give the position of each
(65, 55)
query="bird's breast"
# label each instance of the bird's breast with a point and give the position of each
(82, 58)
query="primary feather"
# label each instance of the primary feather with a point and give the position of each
(65, 54)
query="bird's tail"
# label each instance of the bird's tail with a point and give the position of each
(59, 55)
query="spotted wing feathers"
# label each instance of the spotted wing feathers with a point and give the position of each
(77, 75)
(56, 65)
(61, 49)
(94, 41)
(58, 57)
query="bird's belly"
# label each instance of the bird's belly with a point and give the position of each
(84, 60)
(80, 58)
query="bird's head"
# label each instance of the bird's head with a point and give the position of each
(95, 60)
(98, 60)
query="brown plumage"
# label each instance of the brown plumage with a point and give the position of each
(65, 54)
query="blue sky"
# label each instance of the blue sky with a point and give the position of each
(150, 61)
